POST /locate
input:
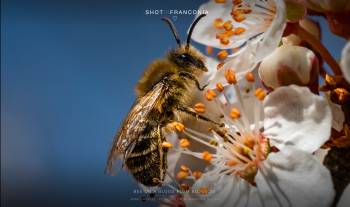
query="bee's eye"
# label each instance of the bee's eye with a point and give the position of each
(185, 57)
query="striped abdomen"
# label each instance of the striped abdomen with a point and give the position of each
(147, 162)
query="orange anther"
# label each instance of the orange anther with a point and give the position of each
(330, 80)
(222, 54)
(231, 163)
(203, 190)
(184, 168)
(179, 127)
(197, 174)
(210, 95)
(184, 186)
(224, 41)
(250, 77)
(213, 142)
(220, 35)
(230, 76)
(238, 149)
(220, 1)
(219, 65)
(260, 93)
(219, 87)
(229, 33)
(207, 156)
(209, 50)
(239, 18)
(224, 36)
(167, 145)
(235, 114)
(184, 143)
(182, 175)
(237, 15)
(218, 23)
(199, 107)
(228, 25)
(239, 30)
(249, 141)
(342, 94)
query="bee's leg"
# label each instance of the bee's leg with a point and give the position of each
(193, 113)
(188, 75)
(159, 133)
(162, 154)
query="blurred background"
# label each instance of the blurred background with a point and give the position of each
(68, 69)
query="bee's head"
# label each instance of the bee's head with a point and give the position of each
(185, 56)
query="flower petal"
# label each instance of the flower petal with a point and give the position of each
(205, 32)
(345, 61)
(211, 65)
(172, 155)
(241, 62)
(295, 116)
(220, 189)
(260, 46)
(287, 65)
(273, 35)
(294, 178)
(225, 191)
(175, 158)
(320, 154)
(264, 16)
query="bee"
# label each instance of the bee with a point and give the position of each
(162, 91)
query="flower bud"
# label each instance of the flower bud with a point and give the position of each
(310, 26)
(327, 5)
(289, 65)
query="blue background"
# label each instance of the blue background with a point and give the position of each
(68, 69)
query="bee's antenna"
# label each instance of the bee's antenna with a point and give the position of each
(173, 29)
(192, 28)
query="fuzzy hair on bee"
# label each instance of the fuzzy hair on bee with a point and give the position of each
(163, 91)
(180, 59)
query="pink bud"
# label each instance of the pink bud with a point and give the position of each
(310, 26)
(288, 65)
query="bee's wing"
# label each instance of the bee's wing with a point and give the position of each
(127, 136)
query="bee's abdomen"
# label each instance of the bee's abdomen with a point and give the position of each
(147, 162)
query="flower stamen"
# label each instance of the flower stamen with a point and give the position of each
(210, 95)
(207, 156)
(235, 114)
(260, 94)
(184, 168)
(222, 54)
(219, 87)
(197, 174)
(184, 143)
(182, 175)
(199, 107)
(228, 25)
(230, 76)
(239, 30)
(218, 23)
(167, 145)
(203, 190)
